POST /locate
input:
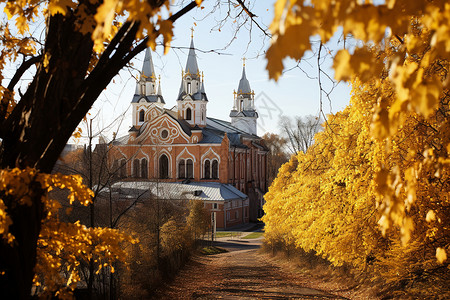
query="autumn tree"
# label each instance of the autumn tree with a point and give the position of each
(299, 131)
(277, 154)
(84, 45)
(383, 162)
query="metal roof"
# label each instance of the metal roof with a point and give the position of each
(206, 191)
(148, 98)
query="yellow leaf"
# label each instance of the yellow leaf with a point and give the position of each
(441, 255)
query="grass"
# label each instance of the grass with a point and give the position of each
(220, 234)
(253, 235)
(212, 250)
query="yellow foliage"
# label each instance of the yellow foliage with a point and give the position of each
(62, 247)
(333, 199)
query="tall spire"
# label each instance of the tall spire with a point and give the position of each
(148, 71)
(244, 85)
(191, 64)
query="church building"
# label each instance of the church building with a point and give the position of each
(223, 163)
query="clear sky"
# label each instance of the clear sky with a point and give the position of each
(294, 94)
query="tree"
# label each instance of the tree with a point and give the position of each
(86, 43)
(277, 154)
(299, 131)
(402, 42)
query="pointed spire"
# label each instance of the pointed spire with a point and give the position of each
(191, 64)
(244, 85)
(148, 71)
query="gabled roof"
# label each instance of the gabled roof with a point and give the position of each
(244, 113)
(148, 98)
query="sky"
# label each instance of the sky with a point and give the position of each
(295, 94)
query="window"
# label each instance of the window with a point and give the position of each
(215, 206)
(181, 169)
(163, 167)
(136, 164)
(186, 169)
(123, 168)
(141, 115)
(207, 172)
(236, 214)
(144, 168)
(164, 134)
(189, 168)
(242, 105)
(189, 89)
(215, 169)
(188, 114)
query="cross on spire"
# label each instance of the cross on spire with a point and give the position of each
(192, 32)
(244, 59)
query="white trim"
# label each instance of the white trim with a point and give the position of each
(187, 151)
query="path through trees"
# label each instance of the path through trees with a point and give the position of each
(241, 273)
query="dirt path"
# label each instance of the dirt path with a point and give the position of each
(242, 273)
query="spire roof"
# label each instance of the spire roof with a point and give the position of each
(244, 85)
(191, 64)
(147, 68)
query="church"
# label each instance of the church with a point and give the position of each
(191, 155)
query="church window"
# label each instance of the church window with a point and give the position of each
(163, 167)
(189, 89)
(242, 105)
(215, 206)
(144, 168)
(189, 168)
(136, 165)
(203, 116)
(142, 88)
(164, 134)
(141, 115)
(215, 169)
(207, 167)
(123, 168)
(181, 169)
(188, 114)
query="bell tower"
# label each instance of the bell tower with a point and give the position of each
(192, 99)
(244, 115)
(147, 93)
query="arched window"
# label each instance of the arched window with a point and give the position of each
(136, 165)
(189, 168)
(207, 172)
(188, 114)
(181, 169)
(141, 115)
(189, 89)
(122, 168)
(144, 168)
(215, 169)
(242, 105)
(163, 167)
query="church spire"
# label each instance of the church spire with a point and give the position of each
(148, 71)
(243, 114)
(244, 85)
(192, 98)
(191, 64)
(146, 84)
